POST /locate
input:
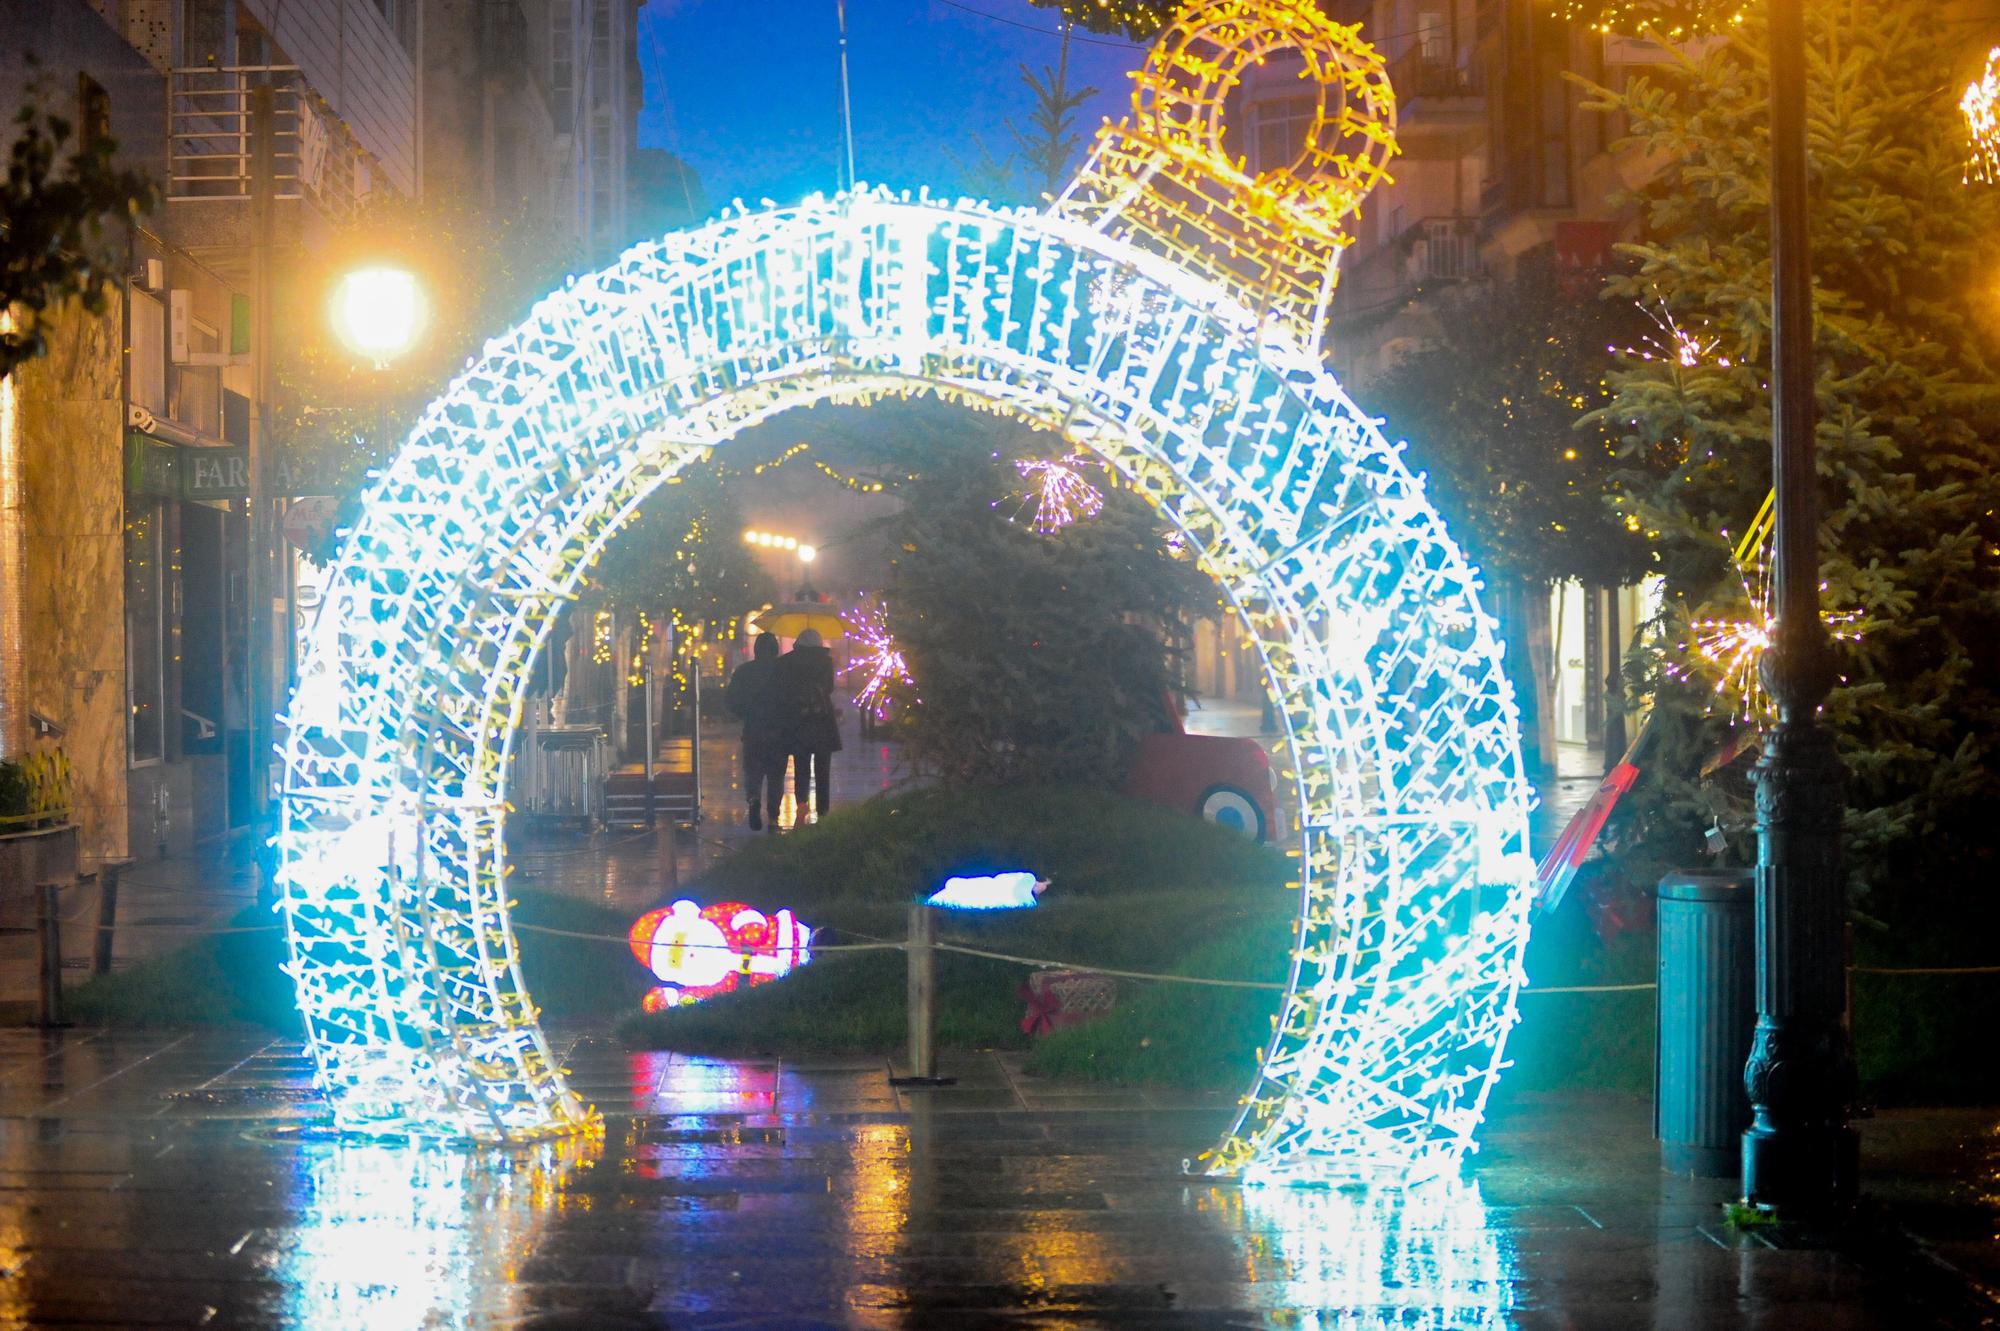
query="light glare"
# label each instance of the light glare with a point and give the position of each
(378, 312)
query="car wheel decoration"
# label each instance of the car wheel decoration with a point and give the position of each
(1226, 806)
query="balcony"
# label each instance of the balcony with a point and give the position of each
(1445, 249)
(1424, 72)
(210, 153)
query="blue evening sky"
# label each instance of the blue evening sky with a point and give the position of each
(748, 91)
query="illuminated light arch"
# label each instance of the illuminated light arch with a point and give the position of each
(1401, 727)
(1162, 315)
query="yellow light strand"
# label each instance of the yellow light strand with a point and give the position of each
(1981, 105)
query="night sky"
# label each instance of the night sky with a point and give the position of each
(748, 92)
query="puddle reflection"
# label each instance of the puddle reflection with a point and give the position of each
(394, 1235)
(1421, 1257)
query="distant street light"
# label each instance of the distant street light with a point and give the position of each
(807, 554)
(378, 313)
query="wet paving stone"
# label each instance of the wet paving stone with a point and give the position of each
(187, 1181)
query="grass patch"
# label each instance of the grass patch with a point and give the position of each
(894, 848)
(1595, 1042)
(854, 1003)
(1183, 1035)
(234, 977)
(1135, 887)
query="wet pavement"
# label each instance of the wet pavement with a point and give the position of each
(186, 1180)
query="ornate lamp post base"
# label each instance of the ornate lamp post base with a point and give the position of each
(1799, 1153)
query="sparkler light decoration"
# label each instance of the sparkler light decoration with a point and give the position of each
(1206, 393)
(1675, 345)
(1061, 494)
(1981, 105)
(886, 683)
(1729, 650)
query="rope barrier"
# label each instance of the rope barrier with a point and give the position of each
(1925, 970)
(1586, 988)
(886, 945)
(714, 947)
(1105, 970)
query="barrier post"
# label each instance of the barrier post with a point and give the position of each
(922, 1001)
(49, 928)
(107, 917)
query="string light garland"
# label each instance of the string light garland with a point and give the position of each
(1204, 393)
(1670, 20)
(887, 687)
(1138, 18)
(773, 464)
(1981, 105)
(1060, 495)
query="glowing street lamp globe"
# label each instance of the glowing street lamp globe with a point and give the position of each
(378, 313)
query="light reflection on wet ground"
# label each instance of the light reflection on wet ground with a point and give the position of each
(177, 1181)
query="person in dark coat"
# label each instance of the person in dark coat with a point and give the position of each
(812, 727)
(752, 695)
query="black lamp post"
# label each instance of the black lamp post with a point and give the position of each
(1799, 1154)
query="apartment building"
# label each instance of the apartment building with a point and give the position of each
(1502, 164)
(135, 629)
(588, 54)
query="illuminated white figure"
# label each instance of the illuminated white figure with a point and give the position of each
(1000, 891)
(1401, 729)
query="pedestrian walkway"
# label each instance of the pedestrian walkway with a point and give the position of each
(634, 869)
(183, 1180)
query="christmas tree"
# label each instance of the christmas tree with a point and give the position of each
(1904, 257)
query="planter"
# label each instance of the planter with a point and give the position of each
(45, 855)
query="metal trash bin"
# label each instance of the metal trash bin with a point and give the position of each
(1707, 1013)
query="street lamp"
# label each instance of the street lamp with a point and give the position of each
(807, 554)
(378, 313)
(1799, 1154)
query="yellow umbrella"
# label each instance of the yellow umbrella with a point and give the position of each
(792, 619)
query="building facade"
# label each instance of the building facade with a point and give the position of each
(133, 454)
(589, 56)
(1503, 165)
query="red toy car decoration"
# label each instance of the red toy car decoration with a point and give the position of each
(1225, 779)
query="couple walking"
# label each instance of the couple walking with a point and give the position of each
(786, 706)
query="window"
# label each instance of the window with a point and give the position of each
(562, 83)
(145, 628)
(1434, 36)
(196, 401)
(1278, 130)
(600, 51)
(93, 112)
(149, 353)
